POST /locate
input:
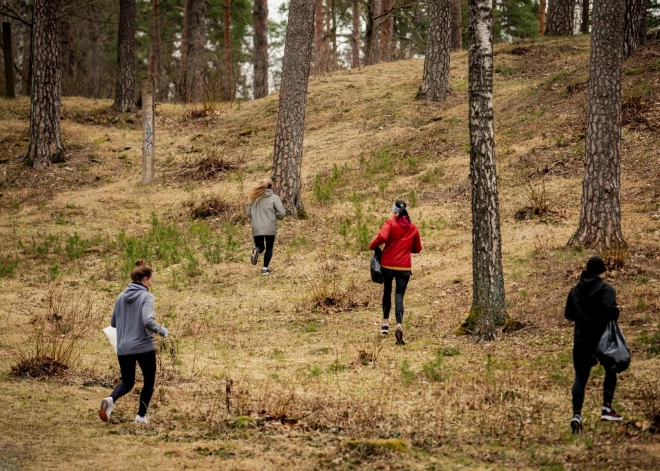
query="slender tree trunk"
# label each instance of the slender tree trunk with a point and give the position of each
(375, 37)
(584, 27)
(542, 16)
(193, 46)
(10, 89)
(635, 26)
(287, 157)
(560, 18)
(355, 43)
(229, 75)
(456, 26)
(488, 308)
(93, 50)
(125, 87)
(387, 32)
(600, 210)
(45, 133)
(319, 39)
(333, 29)
(154, 54)
(328, 32)
(66, 48)
(260, 58)
(435, 80)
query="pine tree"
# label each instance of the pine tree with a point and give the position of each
(456, 26)
(193, 45)
(560, 18)
(355, 37)
(435, 80)
(93, 50)
(260, 57)
(635, 26)
(125, 83)
(154, 53)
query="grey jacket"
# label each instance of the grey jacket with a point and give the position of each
(264, 214)
(133, 317)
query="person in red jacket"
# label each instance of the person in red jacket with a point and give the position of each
(401, 238)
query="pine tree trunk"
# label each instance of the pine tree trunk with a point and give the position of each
(229, 75)
(560, 18)
(333, 32)
(193, 46)
(584, 27)
(375, 37)
(319, 39)
(154, 54)
(600, 211)
(542, 16)
(488, 308)
(93, 50)
(635, 25)
(260, 58)
(8, 52)
(287, 157)
(45, 133)
(125, 87)
(435, 80)
(387, 32)
(456, 26)
(355, 43)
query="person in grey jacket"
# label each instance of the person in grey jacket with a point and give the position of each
(133, 317)
(264, 209)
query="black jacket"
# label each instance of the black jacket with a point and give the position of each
(591, 304)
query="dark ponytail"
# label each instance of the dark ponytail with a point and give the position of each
(141, 271)
(403, 211)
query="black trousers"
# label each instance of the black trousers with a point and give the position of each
(583, 360)
(401, 279)
(265, 243)
(147, 362)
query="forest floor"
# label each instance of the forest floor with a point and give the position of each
(288, 371)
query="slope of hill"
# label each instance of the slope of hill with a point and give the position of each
(288, 371)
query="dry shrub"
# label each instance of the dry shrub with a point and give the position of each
(215, 206)
(634, 103)
(211, 164)
(56, 339)
(615, 258)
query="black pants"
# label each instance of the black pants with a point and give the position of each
(147, 362)
(583, 360)
(268, 247)
(401, 278)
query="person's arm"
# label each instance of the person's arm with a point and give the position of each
(148, 318)
(382, 237)
(113, 318)
(417, 243)
(280, 212)
(569, 312)
(611, 310)
(248, 211)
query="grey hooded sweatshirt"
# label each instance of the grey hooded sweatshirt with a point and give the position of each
(264, 214)
(133, 317)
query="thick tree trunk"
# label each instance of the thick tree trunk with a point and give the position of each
(375, 36)
(193, 45)
(287, 157)
(635, 26)
(229, 74)
(125, 88)
(93, 49)
(355, 39)
(542, 16)
(435, 80)
(8, 52)
(45, 133)
(600, 212)
(584, 26)
(320, 59)
(387, 32)
(456, 26)
(154, 54)
(488, 308)
(560, 18)
(260, 57)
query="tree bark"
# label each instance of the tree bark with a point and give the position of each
(542, 16)
(600, 210)
(93, 50)
(375, 36)
(193, 45)
(456, 26)
(320, 59)
(45, 133)
(435, 80)
(584, 26)
(635, 26)
(260, 57)
(229, 75)
(287, 156)
(387, 32)
(154, 53)
(355, 39)
(560, 18)
(125, 86)
(488, 308)
(8, 52)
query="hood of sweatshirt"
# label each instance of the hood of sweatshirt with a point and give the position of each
(268, 194)
(134, 291)
(403, 222)
(589, 283)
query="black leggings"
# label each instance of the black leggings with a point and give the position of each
(147, 362)
(583, 361)
(402, 278)
(268, 247)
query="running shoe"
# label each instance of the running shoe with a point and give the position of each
(107, 406)
(265, 271)
(254, 259)
(576, 424)
(385, 329)
(608, 414)
(399, 336)
(141, 419)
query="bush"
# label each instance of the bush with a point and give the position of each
(216, 206)
(212, 164)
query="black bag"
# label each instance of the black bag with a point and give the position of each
(376, 269)
(612, 351)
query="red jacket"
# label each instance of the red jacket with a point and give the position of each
(401, 238)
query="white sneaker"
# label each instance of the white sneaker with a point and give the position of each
(141, 419)
(107, 406)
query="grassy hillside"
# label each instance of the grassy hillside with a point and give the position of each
(288, 371)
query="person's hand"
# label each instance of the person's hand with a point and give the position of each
(166, 332)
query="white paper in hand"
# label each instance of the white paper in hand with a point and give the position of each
(111, 332)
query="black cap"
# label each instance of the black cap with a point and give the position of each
(596, 265)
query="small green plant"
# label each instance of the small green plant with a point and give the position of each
(641, 305)
(407, 375)
(337, 367)
(651, 341)
(411, 165)
(300, 241)
(311, 327)
(434, 370)
(433, 175)
(314, 370)
(54, 272)
(8, 266)
(561, 140)
(380, 161)
(504, 71)
(413, 199)
(322, 190)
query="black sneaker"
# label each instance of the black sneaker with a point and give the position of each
(254, 259)
(265, 271)
(576, 424)
(399, 336)
(608, 414)
(385, 329)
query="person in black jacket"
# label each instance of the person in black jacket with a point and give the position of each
(591, 304)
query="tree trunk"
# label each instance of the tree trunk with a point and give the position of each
(125, 88)
(435, 80)
(93, 50)
(10, 89)
(66, 48)
(319, 39)
(333, 29)
(488, 308)
(560, 18)
(375, 36)
(193, 44)
(600, 210)
(542, 16)
(287, 156)
(635, 26)
(456, 26)
(45, 133)
(229, 75)
(260, 58)
(387, 32)
(154, 54)
(584, 27)
(355, 43)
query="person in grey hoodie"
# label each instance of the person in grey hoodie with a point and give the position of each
(133, 317)
(264, 209)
